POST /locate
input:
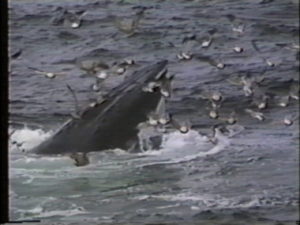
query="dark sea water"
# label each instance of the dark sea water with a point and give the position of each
(250, 177)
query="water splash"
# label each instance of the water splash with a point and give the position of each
(177, 148)
(28, 138)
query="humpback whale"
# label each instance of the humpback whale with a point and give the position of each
(112, 123)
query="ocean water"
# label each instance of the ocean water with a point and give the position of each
(248, 177)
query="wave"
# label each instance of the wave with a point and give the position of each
(27, 138)
(178, 148)
(175, 148)
(202, 201)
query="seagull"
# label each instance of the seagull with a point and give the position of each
(165, 86)
(238, 49)
(240, 28)
(162, 115)
(163, 83)
(159, 116)
(283, 101)
(18, 144)
(289, 120)
(218, 133)
(95, 67)
(75, 115)
(295, 46)
(151, 86)
(93, 104)
(214, 112)
(183, 126)
(245, 82)
(184, 56)
(211, 95)
(49, 75)
(248, 83)
(237, 26)
(152, 119)
(147, 128)
(248, 91)
(189, 43)
(99, 101)
(73, 19)
(96, 86)
(102, 75)
(211, 61)
(267, 61)
(215, 99)
(129, 26)
(206, 42)
(120, 68)
(294, 90)
(129, 62)
(68, 18)
(125, 63)
(261, 102)
(232, 118)
(256, 115)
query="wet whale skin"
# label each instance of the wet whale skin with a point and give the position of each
(111, 124)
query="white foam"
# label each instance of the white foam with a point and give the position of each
(119, 151)
(30, 138)
(168, 206)
(75, 196)
(29, 180)
(34, 210)
(38, 212)
(32, 162)
(204, 200)
(64, 213)
(196, 208)
(201, 200)
(177, 147)
(177, 140)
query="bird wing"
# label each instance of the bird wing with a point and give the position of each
(207, 59)
(124, 26)
(235, 81)
(161, 107)
(36, 70)
(175, 123)
(74, 97)
(255, 46)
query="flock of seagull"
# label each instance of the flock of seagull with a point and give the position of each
(160, 117)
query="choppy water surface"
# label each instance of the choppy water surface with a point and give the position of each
(251, 177)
